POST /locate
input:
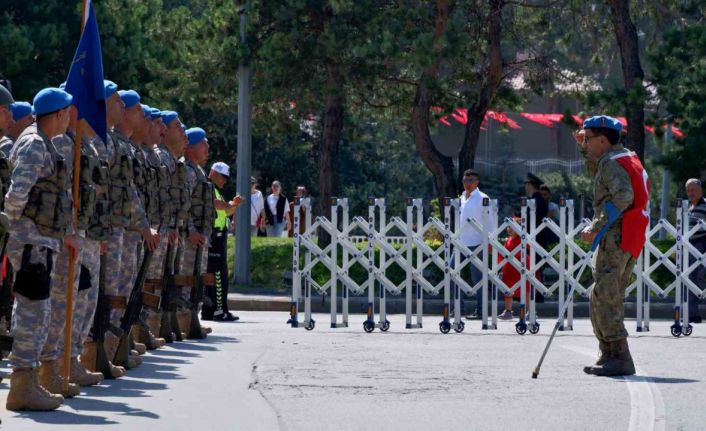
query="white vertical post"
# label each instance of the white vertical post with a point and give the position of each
(494, 259)
(682, 208)
(571, 224)
(345, 292)
(447, 263)
(678, 293)
(562, 264)
(420, 256)
(484, 280)
(296, 274)
(334, 260)
(532, 234)
(523, 257)
(455, 208)
(410, 263)
(370, 321)
(380, 203)
(307, 260)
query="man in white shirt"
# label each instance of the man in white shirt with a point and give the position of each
(472, 208)
(257, 207)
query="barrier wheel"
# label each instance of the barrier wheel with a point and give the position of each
(676, 330)
(460, 327)
(534, 328)
(521, 328)
(368, 326)
(310, 326)
(385, 326)
(444, 327)
(687, 330)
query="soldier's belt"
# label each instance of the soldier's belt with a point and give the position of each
(151, 300)
(116, 302)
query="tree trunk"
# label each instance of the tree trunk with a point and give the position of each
(626, 35)
(328, 146)
(440, 166)
(486, 95)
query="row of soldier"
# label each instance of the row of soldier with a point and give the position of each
(144, 215)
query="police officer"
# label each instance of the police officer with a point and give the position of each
(37, 207)
(614, 171)
(201, 216)
(217, 307)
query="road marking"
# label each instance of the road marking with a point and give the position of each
(646, 402)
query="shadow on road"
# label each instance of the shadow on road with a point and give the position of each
(62, 417)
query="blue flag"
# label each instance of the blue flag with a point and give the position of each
(85, 80)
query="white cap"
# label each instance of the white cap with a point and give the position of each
(221, 168)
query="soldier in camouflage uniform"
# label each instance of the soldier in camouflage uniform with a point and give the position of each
(21, 118)
(136, 225)
(159, 212)
(169, 151)
(37, 206)
(85, 294)
(6, 121)
(612, 266)
(201, 215)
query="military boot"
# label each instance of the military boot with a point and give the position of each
(184, 319)
(154, 322)
(604, 351)
(88, 360)
(619, 361)
(82, 376)
(27, 394)
(50, 377)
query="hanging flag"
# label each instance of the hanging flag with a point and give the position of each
(541, 119)
(85, 80)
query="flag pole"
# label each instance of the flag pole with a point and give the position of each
(73, 255)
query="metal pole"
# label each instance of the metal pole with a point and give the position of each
(664, 206)
(242, 259)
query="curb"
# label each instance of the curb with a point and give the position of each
(358, 305)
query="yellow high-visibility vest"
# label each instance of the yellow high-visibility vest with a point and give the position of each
(221, 221)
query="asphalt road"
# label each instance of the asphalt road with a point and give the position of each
(260, 374)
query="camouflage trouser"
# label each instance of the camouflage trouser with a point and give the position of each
(612, 270)
(132, 242)
(156, 269)
(113, 261)
(88, 298)
(30, 318)
(187, 265)
(54, 346)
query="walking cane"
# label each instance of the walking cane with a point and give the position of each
(613, 214)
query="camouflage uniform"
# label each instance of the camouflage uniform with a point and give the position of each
(200, 220)
(612, 266)
(34, 160)
(6, 145)
(118, 248)
(54, 345)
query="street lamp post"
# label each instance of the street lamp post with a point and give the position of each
(242, 229)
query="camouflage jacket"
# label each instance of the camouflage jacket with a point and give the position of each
(138, 217)
(33, 161)
(611, 183)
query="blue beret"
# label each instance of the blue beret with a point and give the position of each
(20, 110)
(51, 100)
(603, 121)
(130, 98)
(168, 116)
(146, 110)
(110, 88)
(155, 113)
(195, 135)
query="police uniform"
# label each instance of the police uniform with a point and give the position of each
(37, 206)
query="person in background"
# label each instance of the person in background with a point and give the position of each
(543, 237)
(277, 211)
(697, 211)
(553, 208)
(301, 193)
(257, 208)
(510, 274)
(472, 208)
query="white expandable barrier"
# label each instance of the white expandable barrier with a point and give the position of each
(376, 243)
